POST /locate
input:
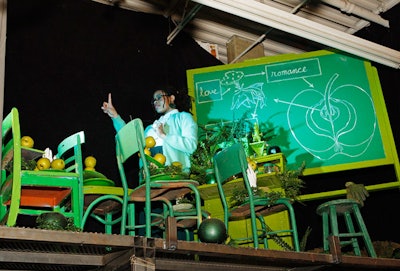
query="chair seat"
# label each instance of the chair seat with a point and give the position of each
(93, 192)
(104, 207)
(43, 196)
(167, 190)
(49, 173)
(47, 179)
(243, 211)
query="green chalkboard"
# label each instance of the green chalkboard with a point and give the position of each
(325, 108)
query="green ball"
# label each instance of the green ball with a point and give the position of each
(212, 230)
(51, 221)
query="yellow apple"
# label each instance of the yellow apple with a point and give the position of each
(146, 152)
(176, 164)
(43, 163)
(150, 142)
(90, 163)
(159, 157)
(27, 141)
(58, 164)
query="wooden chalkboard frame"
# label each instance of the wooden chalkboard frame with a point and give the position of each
(364, 136)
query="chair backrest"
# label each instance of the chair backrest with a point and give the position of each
(70, 150)
(6, 124)
(11, 151)
(231, 161)
(130, 140)
(11, 138)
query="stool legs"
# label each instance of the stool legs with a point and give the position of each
(367, 238)
(330, 211)
(350, 228)
(325, 231)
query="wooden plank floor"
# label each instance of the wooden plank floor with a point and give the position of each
(35, 249)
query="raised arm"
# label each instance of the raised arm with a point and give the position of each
(110, 110)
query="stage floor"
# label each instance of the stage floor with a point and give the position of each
(35, 249)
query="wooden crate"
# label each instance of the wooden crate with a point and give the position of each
(236, 45)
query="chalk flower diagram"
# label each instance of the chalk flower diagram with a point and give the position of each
(248, 97)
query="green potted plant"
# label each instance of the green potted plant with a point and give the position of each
(213, 138)
(291, 184)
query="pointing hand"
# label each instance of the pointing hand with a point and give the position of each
(108, 107)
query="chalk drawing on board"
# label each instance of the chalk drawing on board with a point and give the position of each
(208, 91)
(244, 96)
(332, 118)
(293, 70)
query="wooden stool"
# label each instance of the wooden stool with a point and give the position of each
(350, 210)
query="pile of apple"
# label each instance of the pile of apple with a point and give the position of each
(159, 157)
(150, 143)
(45, 163)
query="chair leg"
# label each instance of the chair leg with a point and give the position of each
(187, 234)
(198, 204)
(253, 220)
(108, 223)
(293, 225)
(131, 220)
(264, 230)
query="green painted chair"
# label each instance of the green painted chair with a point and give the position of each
(130, 141)
(32, 192)
(230, 162)
(98, 197)
(102, 202)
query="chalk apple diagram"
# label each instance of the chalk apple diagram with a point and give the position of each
(335, 123)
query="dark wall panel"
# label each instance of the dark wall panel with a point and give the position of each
(64, 56)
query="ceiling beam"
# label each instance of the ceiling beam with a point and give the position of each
(287, 22)
(185, 20)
